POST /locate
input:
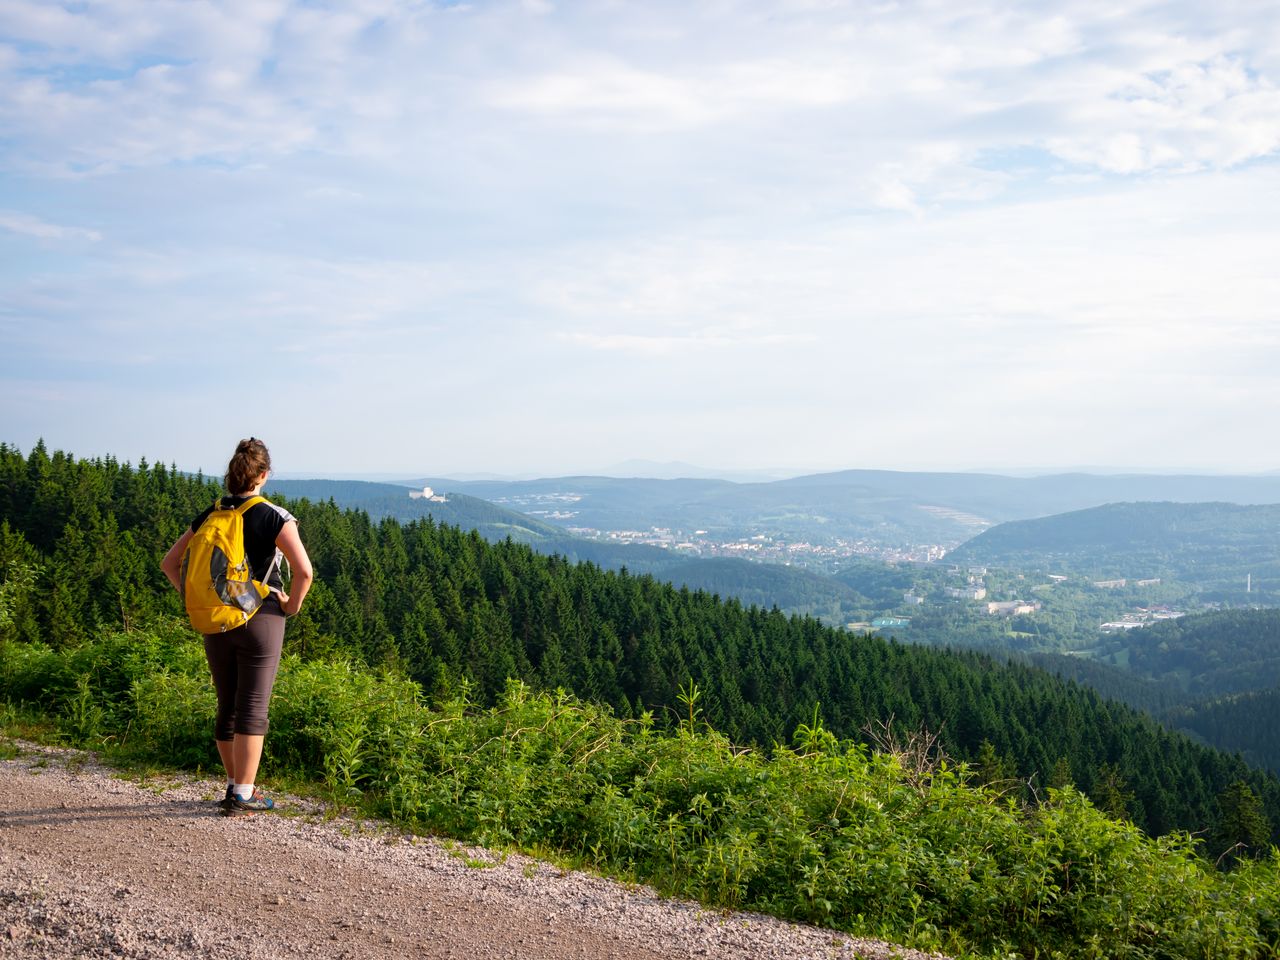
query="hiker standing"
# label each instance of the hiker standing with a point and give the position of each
(227, 566)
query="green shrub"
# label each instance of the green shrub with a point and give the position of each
(173, 719)
(28, 669)
(83, 720)
(825, 832)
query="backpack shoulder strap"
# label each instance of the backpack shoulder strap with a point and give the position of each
(251, 502)
(242, 510)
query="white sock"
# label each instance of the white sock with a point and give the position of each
(244, 790)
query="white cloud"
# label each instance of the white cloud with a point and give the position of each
(1190, 116)
(28, 226)
(614, 94)
(644, 344)
(611, 94)
(1122, 90)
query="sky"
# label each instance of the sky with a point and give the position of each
(541, 237)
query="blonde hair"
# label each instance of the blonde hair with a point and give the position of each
(250, 461)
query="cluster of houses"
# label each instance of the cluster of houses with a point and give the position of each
(975, 589)
(1117, 584)
(1143, 617)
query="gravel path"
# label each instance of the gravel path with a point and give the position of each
(93, 865)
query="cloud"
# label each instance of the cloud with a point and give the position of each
(1123, 90)
(28, 226)
(1188, 116)
(616, 95)
(659, 345)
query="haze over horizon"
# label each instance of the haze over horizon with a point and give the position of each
(677, 471)
(534, 238)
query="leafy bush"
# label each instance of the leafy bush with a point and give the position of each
(173, 719)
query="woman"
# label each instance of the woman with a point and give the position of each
(244, 661)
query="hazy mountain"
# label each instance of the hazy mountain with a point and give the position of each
(879, 506)
(676, 470)
(1003, 497)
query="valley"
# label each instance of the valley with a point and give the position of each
(1091, 594)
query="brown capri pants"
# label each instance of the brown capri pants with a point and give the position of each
(243, 662)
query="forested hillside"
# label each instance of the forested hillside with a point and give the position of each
(1222, 547)
(81, 540)
(1210, 654)
(1245, 723)
(1156, 697)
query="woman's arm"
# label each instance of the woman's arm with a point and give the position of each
(290, 545)
(172, 562)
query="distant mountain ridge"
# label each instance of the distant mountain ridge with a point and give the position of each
(891, 506)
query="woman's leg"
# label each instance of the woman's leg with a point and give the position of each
(227, 753)
(258, 659)
(219, 650)
(246, 755)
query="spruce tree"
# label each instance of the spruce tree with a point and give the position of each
(1242, 830)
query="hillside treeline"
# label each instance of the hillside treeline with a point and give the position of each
(1248, 723)
(1217, 546)
(1211, 654)
(80, 542)
(1245, 723)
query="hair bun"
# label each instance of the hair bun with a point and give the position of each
(250, 461)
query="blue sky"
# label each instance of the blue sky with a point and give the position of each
(542, 237)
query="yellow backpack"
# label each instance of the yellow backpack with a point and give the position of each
(217, 582)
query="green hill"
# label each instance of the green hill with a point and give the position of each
(1221, 546)
(1209, 654)
(1154, 697)
(1215, 676)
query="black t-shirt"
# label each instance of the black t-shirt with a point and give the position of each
(262, 524)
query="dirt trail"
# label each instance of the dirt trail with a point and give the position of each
(95, 865)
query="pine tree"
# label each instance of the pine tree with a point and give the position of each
(1242, 830)
(1061, 775)
(993, 769)
(1111, 793)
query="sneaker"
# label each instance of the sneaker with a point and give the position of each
(225, 802)
(233, 806)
